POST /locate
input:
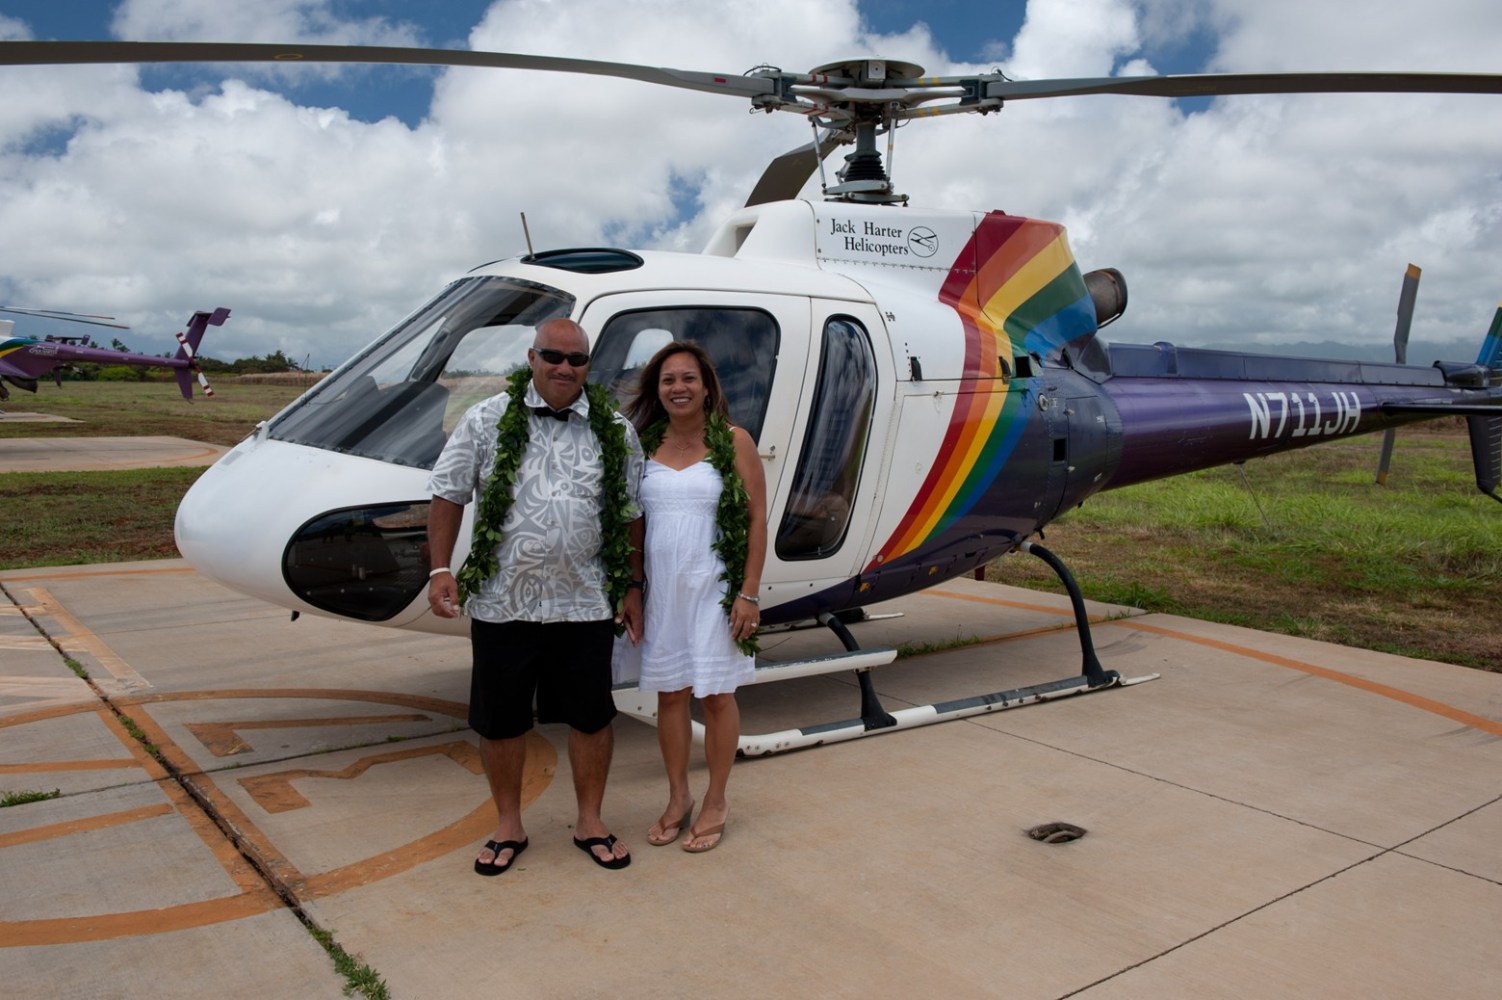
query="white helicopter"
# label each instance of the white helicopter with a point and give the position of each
(927, 388)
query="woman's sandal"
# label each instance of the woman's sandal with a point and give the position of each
(661, 836)
(717, 832)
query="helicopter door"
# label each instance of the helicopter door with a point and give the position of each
(759, 344)
(820, 517)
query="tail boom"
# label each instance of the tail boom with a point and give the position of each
(1245, 406)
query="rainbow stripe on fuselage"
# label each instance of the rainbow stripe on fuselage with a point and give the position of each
(1017, 290)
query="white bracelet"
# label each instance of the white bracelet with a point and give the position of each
(747, 597)
(440, 569)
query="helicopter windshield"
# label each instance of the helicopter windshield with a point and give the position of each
(398, 400)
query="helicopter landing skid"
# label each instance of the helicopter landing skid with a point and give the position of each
(874, 718)
(920, 715)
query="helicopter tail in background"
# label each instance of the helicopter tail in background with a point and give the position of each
(1486, 431)
(1491, 347)
(187, 351)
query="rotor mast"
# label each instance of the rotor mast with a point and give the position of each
(858, 100)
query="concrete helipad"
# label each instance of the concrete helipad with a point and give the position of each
(93, 454)
(32, 417)
(1271, 817)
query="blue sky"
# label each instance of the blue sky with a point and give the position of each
(297, 201)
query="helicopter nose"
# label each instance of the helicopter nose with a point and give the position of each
(309, 529)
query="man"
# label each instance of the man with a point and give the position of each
(542, 622)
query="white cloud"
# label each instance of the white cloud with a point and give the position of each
(1261, 218)
(307, 21)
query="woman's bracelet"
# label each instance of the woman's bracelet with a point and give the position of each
(747, 597)
(440, 569)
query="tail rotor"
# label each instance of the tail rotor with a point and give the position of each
(1400, 347)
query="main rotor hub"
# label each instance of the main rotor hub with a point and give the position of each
(860, 98)
(870, 72)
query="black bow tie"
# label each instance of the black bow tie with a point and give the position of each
(548, 411)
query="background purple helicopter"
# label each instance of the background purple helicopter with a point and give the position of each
(24, 360)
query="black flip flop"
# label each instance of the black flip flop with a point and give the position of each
(496, 847)
(607, 842)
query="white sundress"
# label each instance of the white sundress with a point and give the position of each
(686, 638)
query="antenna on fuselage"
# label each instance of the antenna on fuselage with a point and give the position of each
(528, 234)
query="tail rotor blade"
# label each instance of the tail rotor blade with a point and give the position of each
(1405, 312)
(1406, 299)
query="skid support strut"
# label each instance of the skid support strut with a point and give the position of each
(873, 716)
(1094, 673)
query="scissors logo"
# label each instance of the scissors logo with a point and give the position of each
(923, 241)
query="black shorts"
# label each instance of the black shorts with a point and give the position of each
(565, 665)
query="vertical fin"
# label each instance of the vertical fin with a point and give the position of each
(1491, 347)
(1486, 452)
(188, 350)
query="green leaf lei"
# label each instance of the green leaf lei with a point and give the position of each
(495, 502)
(732, 516)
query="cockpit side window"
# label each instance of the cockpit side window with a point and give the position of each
(834, 445)
(741, 342)
(398, 401)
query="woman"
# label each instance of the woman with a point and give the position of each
(704, 496)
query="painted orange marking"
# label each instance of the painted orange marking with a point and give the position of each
(20, 642)
(50, 712)
(107, 926)
(148, 763)
(68, 573)
(254, 897)
(456, 709)
(274, 792)
(998, 602)
(77, 637)
(222, 739)
(39, 833)
(1465, 718)
(108, 764)
(542, 763)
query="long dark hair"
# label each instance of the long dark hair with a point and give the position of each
(645, 408)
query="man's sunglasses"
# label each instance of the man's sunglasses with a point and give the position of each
(575, 359)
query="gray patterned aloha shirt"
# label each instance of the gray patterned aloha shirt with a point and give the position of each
(550, 569)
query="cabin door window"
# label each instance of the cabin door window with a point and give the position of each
(817, 516)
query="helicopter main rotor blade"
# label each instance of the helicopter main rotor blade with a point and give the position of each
(85, 53)
(1225, 84)
(786, 175)
(766, 83)
(90, 318)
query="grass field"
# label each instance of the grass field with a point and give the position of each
(1313, 548)
(1306, 544)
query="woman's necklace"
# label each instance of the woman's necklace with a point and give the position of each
(683, 445)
